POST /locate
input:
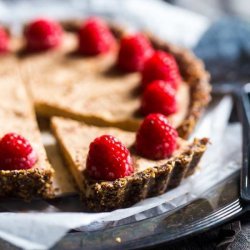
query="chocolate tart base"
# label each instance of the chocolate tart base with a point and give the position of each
(106, 196)
(26, 184)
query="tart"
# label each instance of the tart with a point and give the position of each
(65, 83)
(17, 116)
(83, 73)
(150, 177)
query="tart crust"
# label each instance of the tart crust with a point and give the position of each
(17, 115)
(191, 68)
(150, 179)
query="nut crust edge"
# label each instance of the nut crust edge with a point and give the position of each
(100, 196)
(27, 184)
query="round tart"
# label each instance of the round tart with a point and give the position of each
(80, 72)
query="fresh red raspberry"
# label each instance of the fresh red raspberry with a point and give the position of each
(159, 97)
(161, 66)
(95, 37)
(156, 139)
(4, 41)
(43, 34)
(134, 50)
(108, 159)
(16, 153)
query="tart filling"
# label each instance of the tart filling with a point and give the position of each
(17, 116)
(82, 90)
(150, 177)
(67, 84)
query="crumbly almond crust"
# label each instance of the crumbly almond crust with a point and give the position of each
(26, 184)
(107, 196)
(146, 182)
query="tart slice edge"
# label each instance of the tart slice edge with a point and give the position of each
(17, 112)
(123, 192)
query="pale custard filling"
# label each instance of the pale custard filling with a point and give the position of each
(17, 115)
(89, 86)
(75, 138)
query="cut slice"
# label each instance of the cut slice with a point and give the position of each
(17, 115)
(150, 178)
(68, 85)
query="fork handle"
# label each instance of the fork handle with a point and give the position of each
(244, 111)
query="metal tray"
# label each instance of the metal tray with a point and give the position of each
(220, 205)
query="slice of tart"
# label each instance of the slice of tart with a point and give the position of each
(148, 177)
(76, 81)
(24, 169)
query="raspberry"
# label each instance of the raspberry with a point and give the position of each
(108, 159)
(159, 97)
(156, 139)
(134, 50)
(43, 34)
(4, 41)
(161, 66)
(95, 37)
(16, 153)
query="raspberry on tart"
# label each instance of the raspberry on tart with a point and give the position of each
(156, 139)
(149, 177)
(161, 66)
(108, 159)
(95, 37)
(159, 97)
(134, 51)
(43, 34)
(16, 153)
(4, 41)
